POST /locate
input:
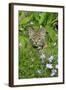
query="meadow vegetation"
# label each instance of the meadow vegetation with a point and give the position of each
(31, 64)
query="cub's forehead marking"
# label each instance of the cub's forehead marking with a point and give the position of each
(36, 36)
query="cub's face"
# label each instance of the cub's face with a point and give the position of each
(37, 38)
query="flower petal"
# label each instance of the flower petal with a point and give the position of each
(49, 66)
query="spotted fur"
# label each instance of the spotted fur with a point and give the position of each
(37, 38)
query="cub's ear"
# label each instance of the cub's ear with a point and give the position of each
(42, 32)
(31, 32)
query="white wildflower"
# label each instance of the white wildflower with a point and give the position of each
(53, 72)
(56, 66)
(49, 66)
(50, 58)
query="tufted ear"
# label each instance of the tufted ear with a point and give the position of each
(31, 32)
(42, 32)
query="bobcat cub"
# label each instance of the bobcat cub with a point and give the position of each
(37, 38)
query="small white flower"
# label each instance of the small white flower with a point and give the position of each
(50, 58)
(49, 66)
(20, 45)
(53, 72)
(56, 66)
(42, 56)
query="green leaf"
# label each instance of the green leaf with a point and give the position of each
(22, 40)
(26, 20)
(36, 16)
(42, 17)
(51, 33)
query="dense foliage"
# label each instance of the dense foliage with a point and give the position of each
(31, 64)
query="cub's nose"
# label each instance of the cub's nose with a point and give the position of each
(35, 43)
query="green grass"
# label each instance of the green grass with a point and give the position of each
(30, 64)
